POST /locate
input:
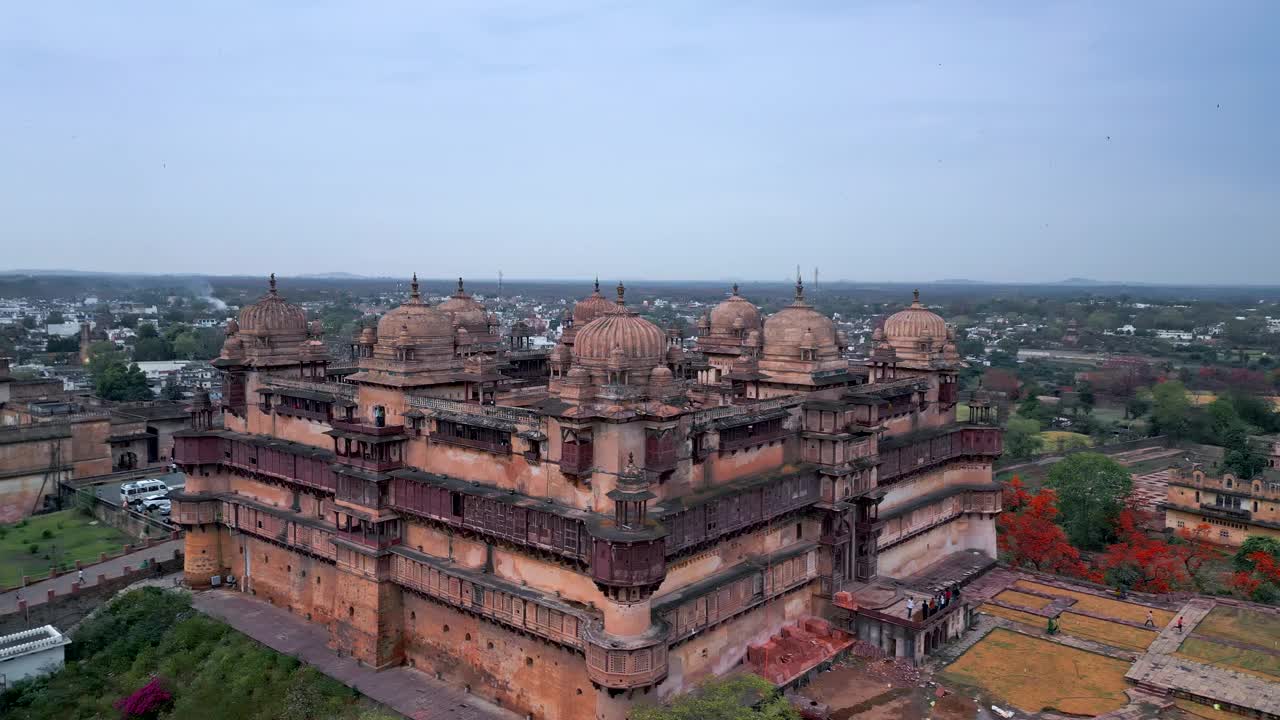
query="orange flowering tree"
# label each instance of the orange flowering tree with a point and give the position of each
(1030, 537)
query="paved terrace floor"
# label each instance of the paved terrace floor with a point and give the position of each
(405, 690)
(38, 592)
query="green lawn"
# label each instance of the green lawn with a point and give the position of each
(70, 537)
(211, 671)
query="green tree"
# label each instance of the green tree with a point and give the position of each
(28, 322)
(1251, 545)
(1022, 438)
(147, 330)
(1170, 409)
(54, 318)
(152, 348)
(1087, 398)
(171, 390)
(122, 383)
(744, 697)
(1091, 491)
(103, 354)
(70, 343)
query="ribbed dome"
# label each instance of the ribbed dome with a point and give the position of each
(591, 307)
(799, 324)
(635, 340)
(734, 314)
(273, 316)
(463, 310)
(914, 324)
(418, 320)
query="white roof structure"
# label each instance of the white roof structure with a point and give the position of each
(31, 641)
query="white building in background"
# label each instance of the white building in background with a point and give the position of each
(66, 329)
(31, 652)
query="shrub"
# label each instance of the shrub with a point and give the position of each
(33, 548)
(145, 702)
(47, 534)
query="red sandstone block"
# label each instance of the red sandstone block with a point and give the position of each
(22, 605)
(26, 580)
(844, 599)
(793, 631)
(75, 588)
(102, 557)
(79, 565)
(756, 653)
(128, 569)
(817, 626)
(50, 594)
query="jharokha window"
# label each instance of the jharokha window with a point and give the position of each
(483, 438)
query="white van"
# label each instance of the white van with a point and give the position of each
(134, 493)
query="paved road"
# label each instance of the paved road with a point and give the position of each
(409, 692)
(111, 490)
(37, 593)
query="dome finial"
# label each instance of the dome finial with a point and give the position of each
(735, 289)
(915, 297)
(272, 284)
(621, 293)
(413, 288)
(799, 286)
(460, 290)
(597, 283)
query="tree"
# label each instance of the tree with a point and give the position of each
(71, 343)
(1170, 409)
(1091, 491)
(1140, 562)
(1194, 547)
(1030, 537)
(1022, 438)
(1243, 560)
(171, 390)
(152, 348)
(54, 318)
(1016, 496)
(734, 698)
(147, 330)
(1136, 406)
(122, 383)
(1087, 399)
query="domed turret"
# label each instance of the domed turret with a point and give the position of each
(465, 312)
(734, 316)
(271, 316)
(619, 333)
(907, 329)
(591, 307)
(420, 321)
(799, 327)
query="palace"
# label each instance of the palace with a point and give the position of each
(570, 532)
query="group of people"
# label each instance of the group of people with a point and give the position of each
(935, 604)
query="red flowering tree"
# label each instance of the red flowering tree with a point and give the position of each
(1016, 496)
(1141, 562)
(1195, 549)
(1030, 537)
(147, 701)
(1262, 583)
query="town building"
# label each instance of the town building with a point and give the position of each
(627, 526)
(1233, 508)
(31, 653)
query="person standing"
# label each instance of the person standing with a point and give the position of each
(911, 607)
(1179, 623)
(80, 578)
(1151, 620)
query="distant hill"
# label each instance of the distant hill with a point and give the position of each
(332, 276)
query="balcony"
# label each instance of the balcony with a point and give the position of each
(660, 459)
(498, 448)
(576, 458)
(316, 415)
(1240, 513)
(764, 438)
(367, 429)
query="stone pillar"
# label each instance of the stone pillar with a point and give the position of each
(202, 555)
(368, 618)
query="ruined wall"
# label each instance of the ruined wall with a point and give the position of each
(717, 651)
(303, 585)
(90, 449)
(515, 671)
(966, 532)
(726, 554)
(23, 485)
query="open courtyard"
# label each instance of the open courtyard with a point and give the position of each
(40, 542)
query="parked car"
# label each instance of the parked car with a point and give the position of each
(140, 491)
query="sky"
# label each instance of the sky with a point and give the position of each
(878, 141)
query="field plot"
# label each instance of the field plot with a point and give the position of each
(1100, 605)
(32, 546)
(1013, 597)
(1242, 625)
(1254, 662)
(1105, 631)
(1014, 668)
(1034, 621)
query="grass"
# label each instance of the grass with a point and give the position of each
(1013, 597)
(1203, 711)
(1036, 675)
(1264, 665)
(70, 538)
(1241, 625)
(1034, 621)
(1100, 605)
(212, 671)
(1067, 440)
(1105, 632)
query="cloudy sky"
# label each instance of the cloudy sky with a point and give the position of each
(668, 140)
